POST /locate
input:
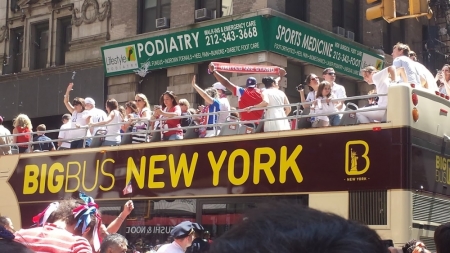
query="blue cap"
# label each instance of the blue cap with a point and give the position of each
(197, 227)
(182, 230)
(251, 82)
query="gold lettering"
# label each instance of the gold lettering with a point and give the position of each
(106, 174)
(155, 171)
(438, 162)
(59, 179)
(74, 176)
(139, 176)
(352, 163)
(216, 166)
(188, 173)
(266, 167)
(245, 167)
(444, 164)
(42, 177)
(30, 178)
(84, 177)
(290, 163)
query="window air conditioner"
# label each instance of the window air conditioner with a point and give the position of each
(350, 35)
(202, 14)
(162, 23)
(339, 31)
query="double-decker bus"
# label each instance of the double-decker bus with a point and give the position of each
(392, 175)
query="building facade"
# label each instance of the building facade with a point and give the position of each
(43, 42)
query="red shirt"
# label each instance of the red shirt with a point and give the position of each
(249, 97)
(23, 138)
(173, 123)
(52, 239)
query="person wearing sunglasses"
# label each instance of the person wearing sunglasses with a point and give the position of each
(171, 110)
(312, 81)
(338, 91)
(140, 127)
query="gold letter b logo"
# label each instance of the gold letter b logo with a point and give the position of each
(352, 158)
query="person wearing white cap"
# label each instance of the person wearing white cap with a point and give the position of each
(95, 115)
(223, 102)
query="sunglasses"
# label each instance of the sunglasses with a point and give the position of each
(182, 104)
(327, 88)
(138, 100)
(412, 55)
(331, 73)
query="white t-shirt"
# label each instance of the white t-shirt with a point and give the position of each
(114, 129)
(65, 135)
(224, 110)
(381, 80)
(410, 68)
(338, 91)
(311, 96)
(326, 108)
(80, 119)
(426, 75)
(97, 115)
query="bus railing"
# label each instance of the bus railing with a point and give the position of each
(216, 126)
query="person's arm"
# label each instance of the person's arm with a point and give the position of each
(264, 103)
(302, 98)
(53, 146)
(280, 77)
(392, 73)
(287, 109)
(15, 137)
(114, 226)
(401, 72)
(68, 105)
(176, 113)
(223, 80)
(106, 121)
(208, 99)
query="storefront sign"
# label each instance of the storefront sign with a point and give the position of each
(242, 36)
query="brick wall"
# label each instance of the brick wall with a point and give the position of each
(123, 19)
(321, 14)
(182, 13)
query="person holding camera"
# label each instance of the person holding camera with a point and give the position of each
(312, 81)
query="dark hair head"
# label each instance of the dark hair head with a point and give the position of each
(66, 116)
(132, 105)
(410, 246)
(172, 95)
(404, 47)
(112, 104)
(79, 101)
(308, 81)
(288, 228)
(268, 81)
(322, 86)
(112, 240)
(442, 238)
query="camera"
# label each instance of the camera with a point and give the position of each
(300, 87)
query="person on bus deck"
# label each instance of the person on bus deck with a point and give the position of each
(5, 139)
(172, 109)
(427, 80)
(272, 96)
(185, 106)
(114, 243)
(312, 81)
(249, 96)
(22, 125)
(323, 105)
(382, 80)
(62, 229)
(338, 91)
(95, 115)
(79, 118)
(40, 136)
(8, 245)
(443, 78)
(144, 114)
(223, 101)
(415, 246)
(112, 120)
(372, 101)
(412, 55)
(183, 235)
(131, 112)
(64, 134)
(292, 228)
(212, 105)
(400, 53)
(442, 238)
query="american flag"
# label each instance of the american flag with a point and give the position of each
(128, 189)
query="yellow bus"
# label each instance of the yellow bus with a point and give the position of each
(392, 175)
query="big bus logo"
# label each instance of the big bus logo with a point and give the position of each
(356, 160)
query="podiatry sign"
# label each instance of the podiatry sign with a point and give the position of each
(243, 36)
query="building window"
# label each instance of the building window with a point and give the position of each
(218, 8)
(64, 36)
(39, 46)
(392, 33)
(13, 63)
(150, 10)
(346, 15)
(296, 9)
(154, 85)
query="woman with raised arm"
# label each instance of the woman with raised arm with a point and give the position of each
(212, 105)
(172, 109)
(312, 81)
(141, 127)
(114, 119)
(79, 118)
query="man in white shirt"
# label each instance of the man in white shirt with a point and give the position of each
(63, 145)
(95, 115)
(400, 53)
(183, 236)
(223, 102)
(382, 81)
(5, 138)
(338, 91)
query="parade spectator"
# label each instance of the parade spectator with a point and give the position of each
(323, 104)
(338, 91)
(7, 223)
(442, 238)
(8, 245)
(5, 139)
(248, 96)
(172, 109)
(64, 134)
(114, 118)
(289, 228)
(79, 118)
(114, 243)
(443, 77)
(141, 127)
(223, 102)
(374, 100)
(212, 105)
(183, 235)
(382, 81)
(415, 246)
(272, 96)
(185, 106)
(40, 136)
(95, 115)
(312, 81)
(131, 112)
(412, 55)
(22, 125)
(400, 53)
